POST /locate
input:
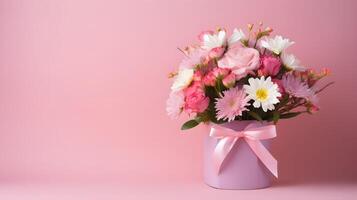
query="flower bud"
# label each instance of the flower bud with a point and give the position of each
(229, 80)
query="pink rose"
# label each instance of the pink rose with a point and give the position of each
(270, 66)
(240, 60)
(195, 99)
(229, 80)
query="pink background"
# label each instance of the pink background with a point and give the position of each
(83, 86)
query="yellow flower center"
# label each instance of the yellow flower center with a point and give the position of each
(262, 94)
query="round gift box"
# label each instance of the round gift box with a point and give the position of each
(241, 169)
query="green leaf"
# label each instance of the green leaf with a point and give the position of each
(211, 92)
(219, 84)
(189, 124)
(255, 115)
(289, 115)
(203, 117)
(276, 117)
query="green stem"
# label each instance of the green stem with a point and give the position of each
(320, 90)
(255, 44)
(288, 108)
(218, 93)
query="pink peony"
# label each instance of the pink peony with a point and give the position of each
(232, 104)
(195, 99)
(240, 60)
(229, 80)
(270, 66)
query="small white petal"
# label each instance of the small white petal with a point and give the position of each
(251, 81)
(183, 79)
(276, 44)
(222, 35)
(256, 104)
(211, 41)
(206, 38)
(236, 36)
(265, 44)
(264, 106)
(291, 62)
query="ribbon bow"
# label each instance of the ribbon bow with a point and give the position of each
(252, 135)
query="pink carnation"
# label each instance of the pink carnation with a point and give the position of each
(240, 60)
(220, 72)
(197, 76)
(211, 77)
(232, 104)
(195, 99)
(270, 66)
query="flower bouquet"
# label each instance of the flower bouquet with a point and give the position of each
(241, 85)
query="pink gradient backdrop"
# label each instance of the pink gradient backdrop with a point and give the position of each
(83, 88)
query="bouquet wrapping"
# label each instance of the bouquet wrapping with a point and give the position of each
(241, 85)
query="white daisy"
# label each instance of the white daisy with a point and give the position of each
(291, 62)
(276, 44)
(236, 36)
(183, 79)
(211, 41)
(220, 39)
(265, 93)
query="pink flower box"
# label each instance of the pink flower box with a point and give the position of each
(242, 169)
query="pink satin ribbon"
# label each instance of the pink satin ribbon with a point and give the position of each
(252, 134)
